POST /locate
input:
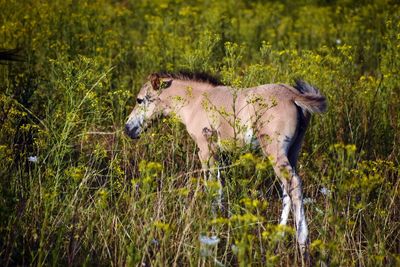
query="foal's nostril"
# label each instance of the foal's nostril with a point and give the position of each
(127, 129)
(132, 132)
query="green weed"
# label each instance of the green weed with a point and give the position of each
(76, 191)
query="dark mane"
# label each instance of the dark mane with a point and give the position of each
(192, 76)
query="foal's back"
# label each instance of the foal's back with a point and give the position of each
(265, 110)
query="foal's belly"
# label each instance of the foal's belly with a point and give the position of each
(245, 138)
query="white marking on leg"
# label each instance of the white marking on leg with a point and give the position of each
(286, 203)
(220, 193)
(301, 225)
(300, 218)
(217, 200)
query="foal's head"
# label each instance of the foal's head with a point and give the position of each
(148, 105)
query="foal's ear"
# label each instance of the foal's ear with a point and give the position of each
(155, 81)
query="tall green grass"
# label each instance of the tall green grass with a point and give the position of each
(76, 191)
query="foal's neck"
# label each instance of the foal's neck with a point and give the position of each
(182, 95)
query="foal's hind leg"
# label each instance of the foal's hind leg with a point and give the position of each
(298, 209)
(296, 186)
(291, 185)
(286, 204)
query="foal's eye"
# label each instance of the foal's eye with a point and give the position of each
(139, 100)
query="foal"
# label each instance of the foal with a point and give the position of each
(273, 116)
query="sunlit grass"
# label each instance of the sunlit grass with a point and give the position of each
(76, 191)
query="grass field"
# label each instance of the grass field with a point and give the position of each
(75, 190)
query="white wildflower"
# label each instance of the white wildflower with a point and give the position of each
(308, 200)
(235, 249)
(209, 241)
(319, 211)
(325, 191)
(33, 159)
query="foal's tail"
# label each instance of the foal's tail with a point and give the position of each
(309, 99)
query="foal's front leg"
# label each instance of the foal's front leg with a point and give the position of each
(210, 169)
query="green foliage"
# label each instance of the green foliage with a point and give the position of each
(74, 190)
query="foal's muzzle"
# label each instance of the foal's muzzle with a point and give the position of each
(132, 132)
